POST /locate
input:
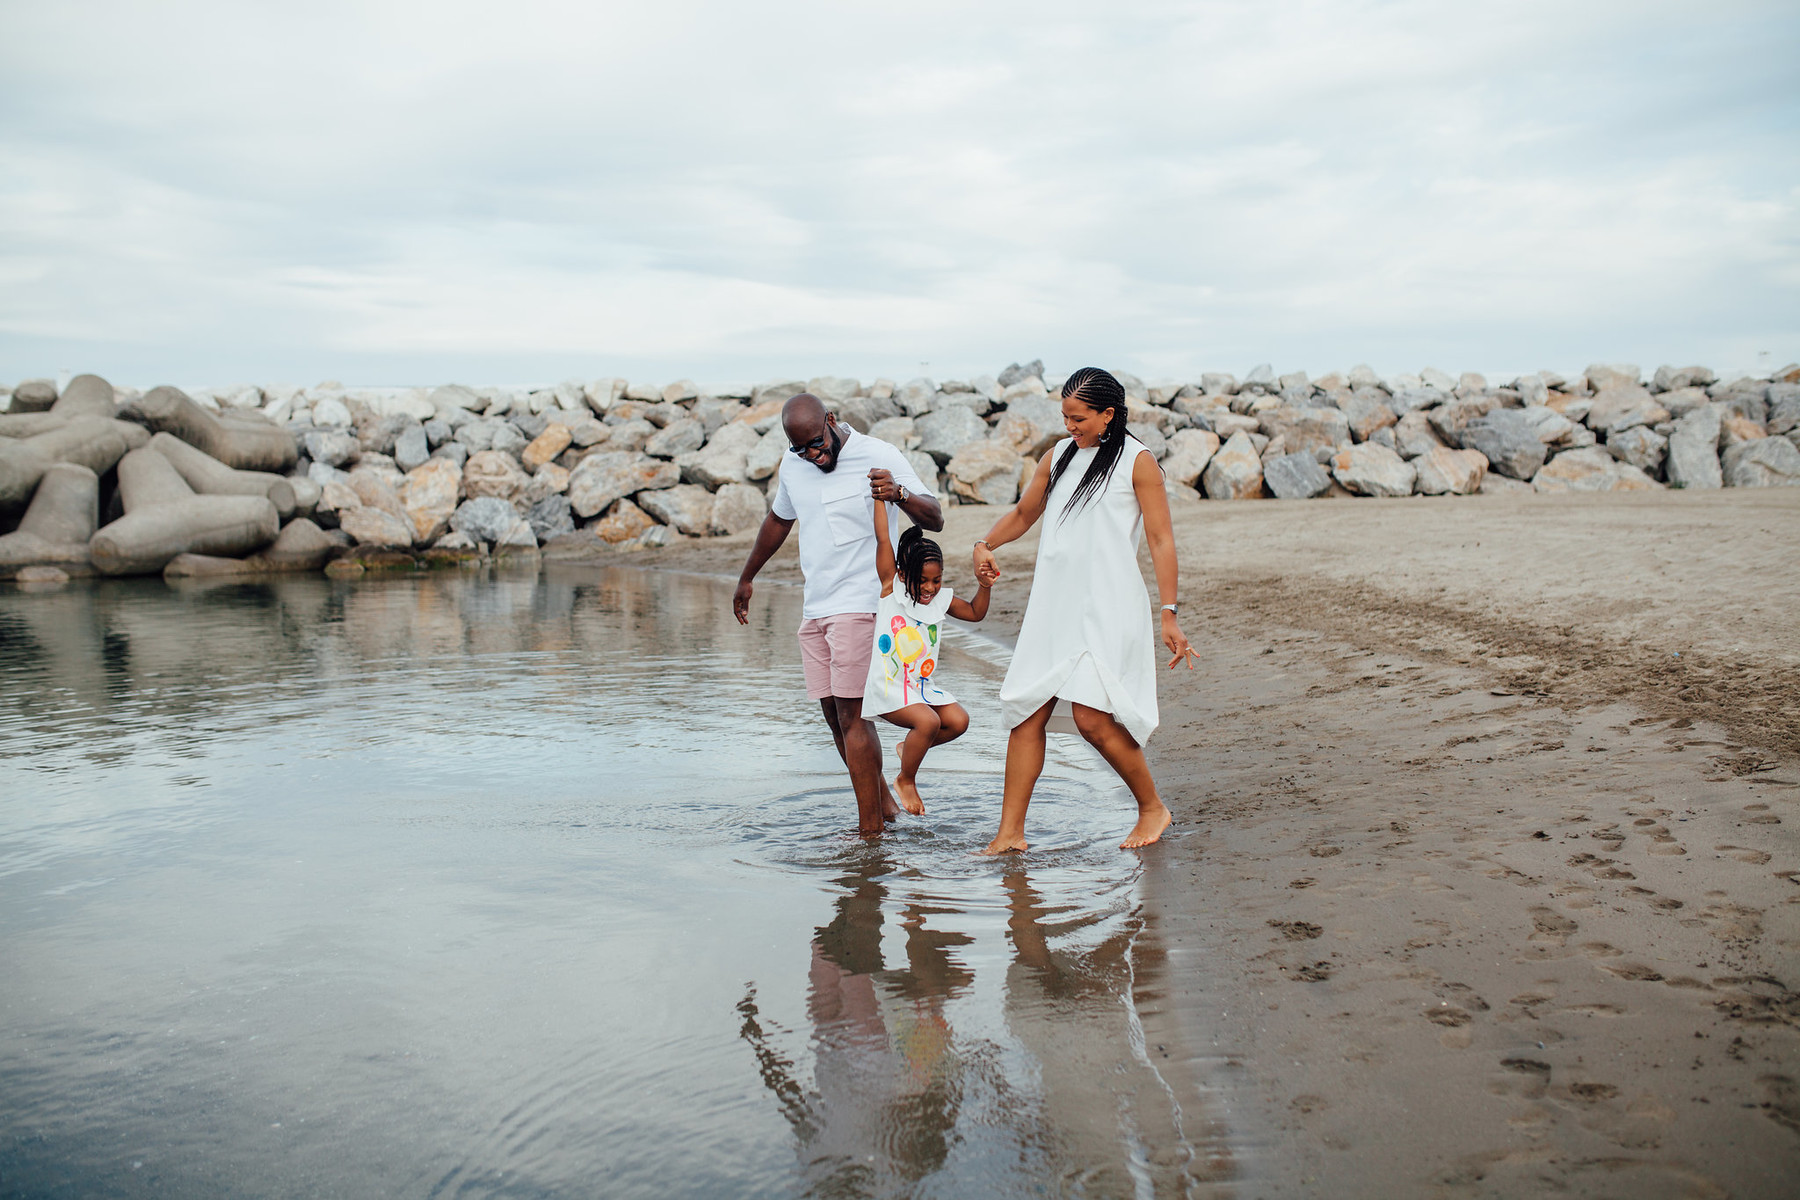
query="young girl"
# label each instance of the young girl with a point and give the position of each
(903, 681)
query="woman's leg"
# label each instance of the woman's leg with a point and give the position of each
(921, 722)
(1024, 763)
(1124, 755)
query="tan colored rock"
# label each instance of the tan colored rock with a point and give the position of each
(600, 479)
(1446, 472)
(985, 473)
(375, 491)
(1618, 407)
(686, 506)
(1235, 472)
(1735, 428)
(738, 508)
(1301, 429)
(762, 415)
(622, 522)
(1371, 469)
(546, 445)
(550, 480)
(369, 526)
(1590, 469)
(429, 497)
(492, 473)
(1189, 452)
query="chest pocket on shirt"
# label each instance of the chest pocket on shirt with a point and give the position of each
(847, 509)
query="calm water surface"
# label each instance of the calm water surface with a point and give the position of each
(477, 885)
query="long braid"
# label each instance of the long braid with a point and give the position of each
(910, 556)
(1097, 389)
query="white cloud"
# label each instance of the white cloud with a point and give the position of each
(421, 191)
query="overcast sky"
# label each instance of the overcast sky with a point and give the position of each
(394, 193)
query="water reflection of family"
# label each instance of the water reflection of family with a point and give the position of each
(896, 1090)
(1085, 657)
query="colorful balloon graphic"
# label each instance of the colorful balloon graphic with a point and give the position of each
(911, 643)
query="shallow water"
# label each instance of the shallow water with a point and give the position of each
(537, 885)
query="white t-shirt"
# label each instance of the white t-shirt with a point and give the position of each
(837, 522)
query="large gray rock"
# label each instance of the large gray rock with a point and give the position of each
(1446, 472)
(1750, 401)
(1235, 472)
(1453, 416)
(1693, 452)
(686, 506)
(1152, 438)
(915, 396)
(1552, 428)
(630, 437)
(1508, 440)
(486, 519)
(1301, 429)
(1590, 469)
(1413, 435)
(678, 437)
(412, 446)
(1669, 379)
(1031, 424)
(723, 460)
(550, 517)
(1784, 408)
(1296, 476)
(781, 390)
(986, 472)
(1371, 469)
(1017, 372)
(737, 508)
(1189, 452)
(334, 448)
(764, 459)
(896, 432)
(600, 479)
(1367, 410)
(1642, 447)
(1765, 462)
(944, 432)
(1619, 407)
(1682, 401)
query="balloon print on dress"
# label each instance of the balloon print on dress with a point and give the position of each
(911, 643)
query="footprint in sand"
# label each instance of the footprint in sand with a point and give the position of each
(1550, 927)
(1600, 868)
(1653, 900)
(1745, 854)
(1448, 1015)
(1759, 814)
(1600, 950)
(1636, 972)
(1297, 931)
(1526, 1077)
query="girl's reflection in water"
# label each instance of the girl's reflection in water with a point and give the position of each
(898, 1095)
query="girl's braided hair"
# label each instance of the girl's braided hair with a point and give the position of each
(910, 557)
(1098, 390)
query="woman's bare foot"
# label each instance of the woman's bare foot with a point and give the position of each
(908, 795)
(1149, 828)
(1005, 845)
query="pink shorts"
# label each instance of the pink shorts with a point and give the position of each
(835, 652)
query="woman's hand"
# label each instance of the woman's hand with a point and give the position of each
(986, 569)
(1177, 642)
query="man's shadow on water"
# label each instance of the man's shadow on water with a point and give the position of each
(892, 1079)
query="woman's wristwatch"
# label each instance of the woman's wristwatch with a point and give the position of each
(1172, 608)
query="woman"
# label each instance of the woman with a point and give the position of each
(1084, 662)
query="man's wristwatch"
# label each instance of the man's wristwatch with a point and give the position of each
(901, 488)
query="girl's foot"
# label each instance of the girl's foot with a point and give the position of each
(1149, 828)
(908, 795)
(1005, 845)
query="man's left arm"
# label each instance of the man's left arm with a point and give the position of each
(920, 506)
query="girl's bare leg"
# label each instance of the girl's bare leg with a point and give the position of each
(1124, 755)
(1024, 763)
(923, 726)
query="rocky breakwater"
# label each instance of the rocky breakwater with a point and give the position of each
(355, 479)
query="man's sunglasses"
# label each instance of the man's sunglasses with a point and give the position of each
(811, 447)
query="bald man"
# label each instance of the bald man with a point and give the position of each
(831, 479)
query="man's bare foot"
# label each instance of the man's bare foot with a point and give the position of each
(908, 794)
(889, 810)
(865, 831)
(1005, 845)
(1149, 828)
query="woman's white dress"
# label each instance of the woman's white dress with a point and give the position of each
(903, 662)
(1088, 636)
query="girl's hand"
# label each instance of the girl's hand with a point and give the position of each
(986, 569)
(1177, 642)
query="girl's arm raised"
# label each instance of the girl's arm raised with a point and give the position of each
(884, 552)
(962, 610)
(1019, 520)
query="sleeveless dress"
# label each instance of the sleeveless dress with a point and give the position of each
(903, 662)
(1088, 635)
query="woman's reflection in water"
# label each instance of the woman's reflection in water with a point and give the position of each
(896, 1092)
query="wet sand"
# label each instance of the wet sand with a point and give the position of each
(1487, 810)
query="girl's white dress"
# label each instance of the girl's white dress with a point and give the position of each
(903, 662)
(1088, 634)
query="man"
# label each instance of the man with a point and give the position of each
(831, 478)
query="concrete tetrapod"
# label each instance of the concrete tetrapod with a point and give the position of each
(57, 526)
(210, 477)
(95, 442)
(247, 443)
(164, 518)
(300, 546)
(86, 396)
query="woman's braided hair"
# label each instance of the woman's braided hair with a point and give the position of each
(910, 557)
(1097, 389)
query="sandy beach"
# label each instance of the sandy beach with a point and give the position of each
(1484, 879)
